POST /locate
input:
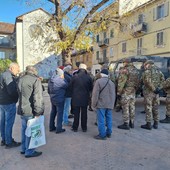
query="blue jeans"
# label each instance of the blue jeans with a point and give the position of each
(60, 109)
(25, 140)
(52, 117)
(8, 113)
(67, 104)
(102, 115)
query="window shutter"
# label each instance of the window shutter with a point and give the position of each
(166, 10)
(155, 13)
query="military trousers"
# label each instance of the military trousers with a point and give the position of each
(151, 101)
(168, 105)
(128, 107)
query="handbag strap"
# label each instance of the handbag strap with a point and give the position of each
(104, 86)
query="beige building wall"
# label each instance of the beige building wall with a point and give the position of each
(145, 31)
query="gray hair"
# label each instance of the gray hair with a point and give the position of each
(83, 66)
(67, 68)
(32, 70)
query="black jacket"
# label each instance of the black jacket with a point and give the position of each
(30, 96)
(8, 88)
(81, 86)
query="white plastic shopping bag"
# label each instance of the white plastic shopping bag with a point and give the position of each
(35, 130)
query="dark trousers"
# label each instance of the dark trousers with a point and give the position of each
(77, 110)
(52, 117)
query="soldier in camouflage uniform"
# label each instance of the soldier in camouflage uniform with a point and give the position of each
(152, 80)
(166, 87)
(128, 82)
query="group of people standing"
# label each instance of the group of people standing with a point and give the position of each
(74, 89)
(79, 86)
(150, 82)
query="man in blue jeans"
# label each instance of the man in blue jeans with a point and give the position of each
(31, 105)
(103, 99)
(8, 100)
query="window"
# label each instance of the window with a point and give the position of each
(104, 35)
(159, 38)
(104, 53)
(2, 55)
(139, 46)
(161, 11)
(111, 52)
(97, 38)
(112, 33)
(97, 55)
(124, 47)
(140, 19)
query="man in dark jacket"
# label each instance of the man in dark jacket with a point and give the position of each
(57, 88)
(81, 85)
(8, 100)
(31, 105)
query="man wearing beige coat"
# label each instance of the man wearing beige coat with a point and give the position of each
(103, 99)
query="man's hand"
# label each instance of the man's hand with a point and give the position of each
(118, 97)
(157, 90)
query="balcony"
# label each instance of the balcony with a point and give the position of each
(139, 29)
(104, 43)
(103, 60)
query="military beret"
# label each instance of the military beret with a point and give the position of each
(149, 62)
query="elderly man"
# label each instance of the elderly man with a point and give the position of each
(57, 86)
(31, 105)
(81, 86)
(8, 100)
(103, 99)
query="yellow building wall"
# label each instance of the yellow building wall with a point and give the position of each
(124, 33)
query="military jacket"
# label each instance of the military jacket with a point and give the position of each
(166, 85)
(152, 78)
(128, 80)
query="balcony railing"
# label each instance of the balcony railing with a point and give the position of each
(139, 29)
(103, 60)
(104, 43)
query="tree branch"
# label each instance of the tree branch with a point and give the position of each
(84, 22)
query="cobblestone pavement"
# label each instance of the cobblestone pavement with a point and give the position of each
(136, 149)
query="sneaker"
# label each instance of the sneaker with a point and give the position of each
(35, 154)
(68, 124)
(90, 109)
(22, 152)
(2, 143)
(61, 131)
(13, 145)
(98, 137)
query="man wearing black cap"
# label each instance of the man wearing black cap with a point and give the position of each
(103, 99)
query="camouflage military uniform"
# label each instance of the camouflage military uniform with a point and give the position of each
(152, 79)
(166, 87)
(128, 81)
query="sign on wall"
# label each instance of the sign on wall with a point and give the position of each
(128, 5)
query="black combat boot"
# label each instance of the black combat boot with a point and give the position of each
(155, 125)
(124, 126)
(166, 120)
(147, 126)
(131, 124)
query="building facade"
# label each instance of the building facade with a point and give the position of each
(32, 41)
(144, 30)
(7, 41)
